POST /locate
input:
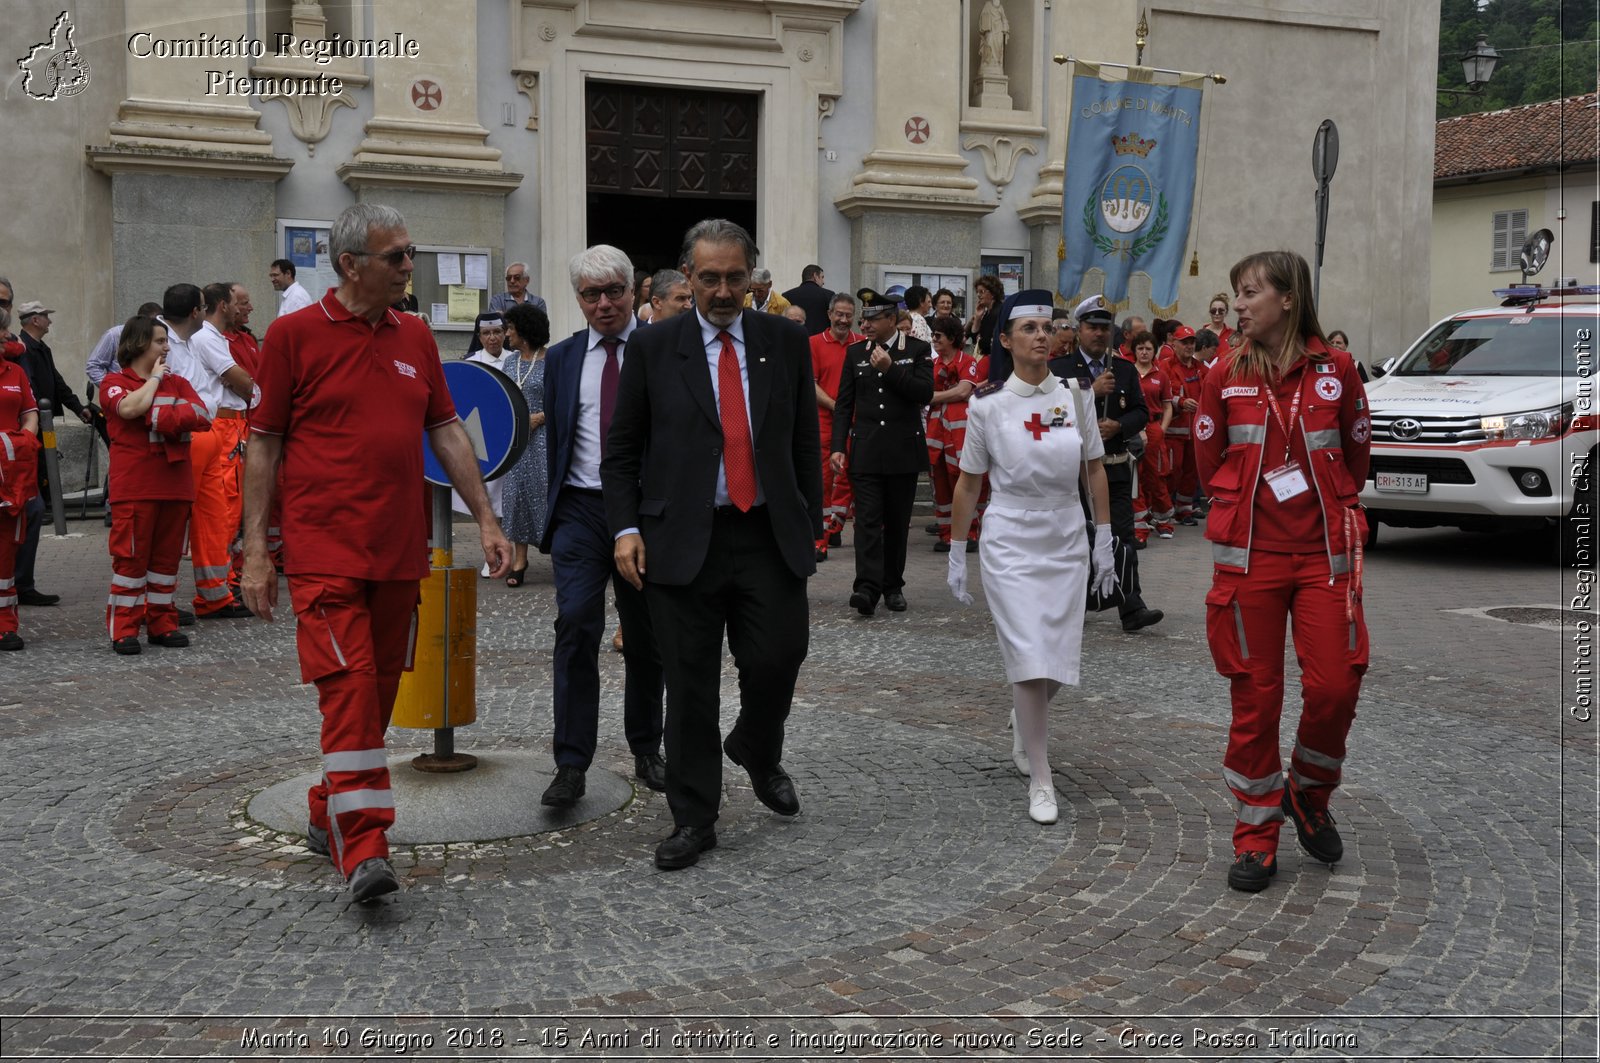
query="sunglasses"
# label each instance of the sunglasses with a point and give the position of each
(5, 304)
(394, 258)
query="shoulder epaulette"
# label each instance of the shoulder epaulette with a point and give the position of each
(988, 387)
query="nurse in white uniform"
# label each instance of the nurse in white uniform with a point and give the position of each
(1034, 435)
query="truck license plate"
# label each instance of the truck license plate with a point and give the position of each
(1415, 483)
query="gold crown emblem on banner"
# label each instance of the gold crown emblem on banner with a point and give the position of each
(1132, 144)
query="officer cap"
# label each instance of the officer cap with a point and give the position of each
(1094, 309)
(874, 303)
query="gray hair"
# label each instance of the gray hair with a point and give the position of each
(761, 276)
(602, 262)
(842, 297)
(664, 280)
(719, 231)
(353, 227)
(515, 265)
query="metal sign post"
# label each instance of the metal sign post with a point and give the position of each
(1324, 161)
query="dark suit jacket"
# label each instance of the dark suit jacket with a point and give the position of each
(1125, 405)
(813, 298)
(665, 446)
(563, 369)
(881, 413)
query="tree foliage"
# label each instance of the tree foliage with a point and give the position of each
(1547, 48)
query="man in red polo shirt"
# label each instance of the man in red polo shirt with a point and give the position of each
(827, 362)
(355, 516)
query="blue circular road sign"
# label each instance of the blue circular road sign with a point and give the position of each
(493, 412)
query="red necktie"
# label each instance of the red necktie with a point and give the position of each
(737, 458)
(608, 390)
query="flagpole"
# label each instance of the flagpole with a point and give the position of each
(1220, 79)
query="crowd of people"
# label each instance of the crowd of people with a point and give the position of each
(700, 446)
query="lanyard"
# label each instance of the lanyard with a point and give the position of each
(1294, 415)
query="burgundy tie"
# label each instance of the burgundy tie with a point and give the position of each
(737, 458)
(608, 390)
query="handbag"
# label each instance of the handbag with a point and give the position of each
(1098, 603)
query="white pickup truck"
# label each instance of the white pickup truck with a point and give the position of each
(1488, 422)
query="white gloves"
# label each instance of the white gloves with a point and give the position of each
(1102, 563)
(957, 575)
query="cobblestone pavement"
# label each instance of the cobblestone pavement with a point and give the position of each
(912, 899)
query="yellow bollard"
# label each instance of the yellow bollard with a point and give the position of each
(441, 689)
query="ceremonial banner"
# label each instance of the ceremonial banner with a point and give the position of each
(1128, 192)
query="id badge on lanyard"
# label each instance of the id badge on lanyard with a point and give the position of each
(1289, 479)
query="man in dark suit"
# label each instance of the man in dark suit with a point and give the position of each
(813, 298)
(1123, 416)
(580, 381)
(714, 493)
(887, 380)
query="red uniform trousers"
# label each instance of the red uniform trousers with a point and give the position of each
(355, 638)
(13, 529)
(146, 549)
(1246, 615)
(838, 504)
(944, 469)
(1152, 506)
(214, 522)
(1182, 475)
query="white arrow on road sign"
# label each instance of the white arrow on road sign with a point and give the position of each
(474, 426)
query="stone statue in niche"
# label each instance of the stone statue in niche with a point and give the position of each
(994, 33)
(991, 88)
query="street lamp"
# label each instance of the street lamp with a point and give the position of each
(1477, 67)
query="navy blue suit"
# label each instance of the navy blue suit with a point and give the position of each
(580, 549)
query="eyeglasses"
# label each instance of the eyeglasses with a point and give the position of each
(734, 281)
(516, 276)
(5, 304)
(613, 292)
(394, 258)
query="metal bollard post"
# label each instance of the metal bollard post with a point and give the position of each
(52, 465)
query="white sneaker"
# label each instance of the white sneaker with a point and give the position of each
(1019, 757)
(1042, 804)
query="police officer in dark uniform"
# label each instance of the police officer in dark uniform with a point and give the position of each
(1123, 416)
(886, 381)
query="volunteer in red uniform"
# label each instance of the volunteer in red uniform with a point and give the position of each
(150, 415)
(1217, 324)
(827, 361)
(1152, 507)
(354, 570)
(19, 473)
(947, 421)
(1185, 373)
(1283, 443)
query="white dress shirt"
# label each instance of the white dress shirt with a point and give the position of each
(201, 362)
(585, 470)
(295, 298)
(713, 345)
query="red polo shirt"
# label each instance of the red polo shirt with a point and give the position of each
(16, 397)
(246, 352)
(351, 401)
(827, 362)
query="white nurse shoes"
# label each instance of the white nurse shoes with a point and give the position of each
(1042, 804)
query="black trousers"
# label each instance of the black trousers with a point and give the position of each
(747, 591)
(582, 561)
(883, 519)
(1119, 484)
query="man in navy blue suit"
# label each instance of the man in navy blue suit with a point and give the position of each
(581, 375)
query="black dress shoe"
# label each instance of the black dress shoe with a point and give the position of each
(836, 539)
(895, 601)
(172, 639)
(33, 597)
(651, 769)
(231, 611)
(565, 789)
(863, 603)
(185, 618)
(773, 786)
(1141, 618)
(822, 554)
(684, 846)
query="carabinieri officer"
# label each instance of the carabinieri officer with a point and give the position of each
(887, 380)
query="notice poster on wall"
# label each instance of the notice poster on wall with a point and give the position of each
(449, 268)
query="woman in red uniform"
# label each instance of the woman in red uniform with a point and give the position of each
(1151, 504)
(947, 421)
(149, 415)
(19, 474)
(1282, 442)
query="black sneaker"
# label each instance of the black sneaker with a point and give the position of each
(127, 646)
(972, 546)
(941, 547)
(13, 641)
(1314, 826)
(372, 879)
(231, 611)
(185, 618)
(172, 640)
(565, 789)
(1252, 871)
(836, 539)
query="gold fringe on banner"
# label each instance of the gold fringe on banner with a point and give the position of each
(1161, 311)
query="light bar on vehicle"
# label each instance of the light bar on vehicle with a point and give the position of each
(1520, 294)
